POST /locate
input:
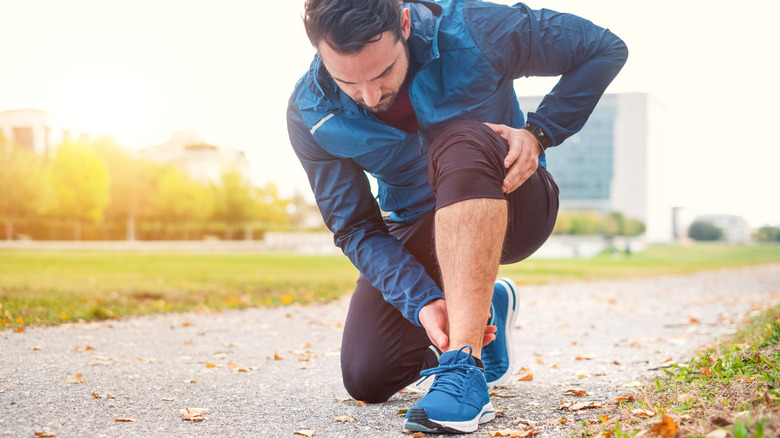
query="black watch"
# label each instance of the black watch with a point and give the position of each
(541, 137)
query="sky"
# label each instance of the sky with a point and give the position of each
(139, 70)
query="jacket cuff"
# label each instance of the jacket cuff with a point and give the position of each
(436, 295)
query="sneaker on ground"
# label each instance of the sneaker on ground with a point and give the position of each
(498, 355)
(458, 400)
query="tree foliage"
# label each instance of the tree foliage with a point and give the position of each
(593, 223)
(767, 234)
(79, 183)
(705, 231)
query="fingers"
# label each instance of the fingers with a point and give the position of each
(518, 174)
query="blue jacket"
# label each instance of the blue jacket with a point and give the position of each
(465, 57)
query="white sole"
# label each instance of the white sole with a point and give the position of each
(512, 308)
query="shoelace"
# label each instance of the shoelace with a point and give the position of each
(449, 378)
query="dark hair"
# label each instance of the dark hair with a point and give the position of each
(348, 25)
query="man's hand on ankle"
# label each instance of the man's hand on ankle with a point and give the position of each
(433, 317)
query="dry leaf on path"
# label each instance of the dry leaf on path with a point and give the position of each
(581, 406)
(417, 434)
(666, 428)
(643, 412)
(125, 420)
(515, 433)
(84, 348)
(45, 433)
(577, 392)
(237, 367)
(193, 414)
(78, 378)
(526, 377)
(347, 419)
(305, 432)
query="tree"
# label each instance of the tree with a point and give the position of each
(767, 233)
(235, 201)
(132, 183)
(272, 210)
(21, 184)
(79, 183)
(704, 231)
(179, 201)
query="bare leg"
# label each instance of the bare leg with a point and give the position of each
(469, 238)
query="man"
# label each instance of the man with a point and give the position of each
(420, 95)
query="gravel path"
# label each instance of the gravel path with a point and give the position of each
(273, 372)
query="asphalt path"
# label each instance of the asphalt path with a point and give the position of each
(275, 372)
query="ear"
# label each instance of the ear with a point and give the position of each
(406, 23)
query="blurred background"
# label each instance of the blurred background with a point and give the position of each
(166, 121)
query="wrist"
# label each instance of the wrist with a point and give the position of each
(542, 139)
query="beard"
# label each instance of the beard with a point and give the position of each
(388, 100)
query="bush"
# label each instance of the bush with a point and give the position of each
(705, 231)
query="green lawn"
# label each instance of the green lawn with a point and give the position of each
(60, 286)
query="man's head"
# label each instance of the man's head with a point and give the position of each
(363, 46)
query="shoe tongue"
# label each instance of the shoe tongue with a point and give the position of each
(453, 357)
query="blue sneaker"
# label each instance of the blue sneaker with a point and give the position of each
(458, 400)
(498, 355)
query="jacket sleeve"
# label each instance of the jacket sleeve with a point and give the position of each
(344, 197)
(521, 42)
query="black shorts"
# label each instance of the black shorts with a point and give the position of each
(382, 351)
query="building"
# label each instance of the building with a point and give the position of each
(37, 130)
(203, 162)
(616, 162)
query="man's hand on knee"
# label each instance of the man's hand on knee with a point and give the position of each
(522, 158)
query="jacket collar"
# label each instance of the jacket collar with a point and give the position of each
(423, 47)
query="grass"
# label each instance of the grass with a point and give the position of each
(734, 386)
(50, 287)
(60, 286)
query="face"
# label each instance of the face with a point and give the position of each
(373, 76)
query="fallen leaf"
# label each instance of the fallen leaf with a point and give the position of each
(191, 381)
(417, 435)
(78, 378)
(39, 349)
(526, 377)
(706, 371)
(103, 360)
(720, 421)
(277, 357)
(588, 356)
(515, 433)
(522, 370)
(666, 428)
(305, 432)
(577, 392)
(84, 348)
(625, 399)
(519, 421)
(685, 398)
(45, 433)
(360, 403)
(563, 420)
(19, 330)
(693, 320)
(347, 419)
(582, 406)
(193, 414)
(237, 367)
(643, 412)
(496, 394)
(539, 360)
(125, 420)
(187, 324)
(749, 379)
(718, 433)
(210, 365)
(168, 399)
